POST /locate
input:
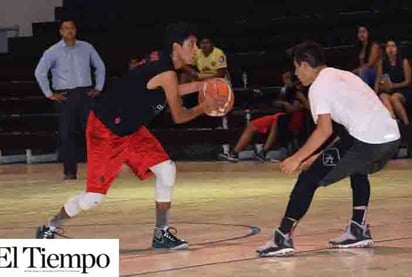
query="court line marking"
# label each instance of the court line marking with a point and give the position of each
(408, 220)
(241, 260)
(253, 230)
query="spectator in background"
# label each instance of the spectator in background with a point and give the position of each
(393, 82)
(368, 57)
(210, 62)
(303, 95)
(133, 62)
(287, 83)
(291, 102)
(69, 62)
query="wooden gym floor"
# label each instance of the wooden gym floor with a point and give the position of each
(225, 211)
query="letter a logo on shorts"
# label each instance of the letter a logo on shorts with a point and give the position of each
(331, 157)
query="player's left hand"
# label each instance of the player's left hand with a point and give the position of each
(290, 165)
(93, 92)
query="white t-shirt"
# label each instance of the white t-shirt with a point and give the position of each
(353, 104)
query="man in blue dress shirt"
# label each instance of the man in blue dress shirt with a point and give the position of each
(70, 62)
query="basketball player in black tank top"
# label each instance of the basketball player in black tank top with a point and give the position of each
(116, 133)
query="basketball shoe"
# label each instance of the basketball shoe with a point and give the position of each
(230, 157)
(46, 232)
(279, 245)
(260, 155)
(355, 236)
(166, 238)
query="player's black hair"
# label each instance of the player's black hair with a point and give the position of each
(310, 52)
(177, 32)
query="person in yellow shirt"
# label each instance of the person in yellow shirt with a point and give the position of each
(210, 62)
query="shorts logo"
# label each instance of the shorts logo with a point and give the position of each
(158, 108)
(331, 157)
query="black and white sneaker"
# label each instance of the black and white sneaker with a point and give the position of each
(164, 238)
(230, 157)
(280, 245)
(260, 156)
(46, 232)
(355, 236)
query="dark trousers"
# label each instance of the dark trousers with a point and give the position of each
(348, 157)
(72, 113)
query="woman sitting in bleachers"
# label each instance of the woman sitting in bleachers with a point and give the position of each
(393, 82)
(367, 56)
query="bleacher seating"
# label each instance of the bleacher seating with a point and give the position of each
(254, 37)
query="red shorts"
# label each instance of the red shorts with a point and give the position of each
(106, 152)
(263, 124)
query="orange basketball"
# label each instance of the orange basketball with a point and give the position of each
(220, 87)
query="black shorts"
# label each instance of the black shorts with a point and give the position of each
(349, 156)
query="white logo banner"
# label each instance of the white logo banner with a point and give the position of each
(59, 257)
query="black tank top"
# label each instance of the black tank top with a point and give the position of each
(395, 72)
(128, 104)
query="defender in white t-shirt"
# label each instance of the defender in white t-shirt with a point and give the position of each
(353, 104)
(370, 138)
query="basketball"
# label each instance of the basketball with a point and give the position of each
(218, 87)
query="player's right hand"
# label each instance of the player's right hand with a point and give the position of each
(59, 97)
(213, 103)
